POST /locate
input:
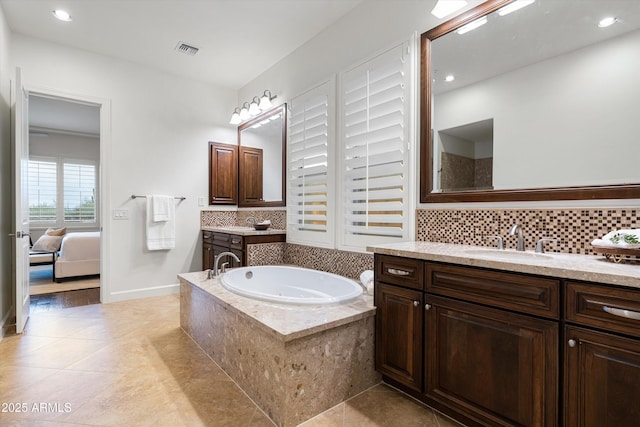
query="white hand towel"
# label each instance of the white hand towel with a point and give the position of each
(366, 277)
(161, 207)
(161, 235)
(606, 239)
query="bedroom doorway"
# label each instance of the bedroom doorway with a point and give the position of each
(64, 200)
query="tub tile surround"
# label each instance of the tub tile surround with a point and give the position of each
(574, 228)
(293, 363)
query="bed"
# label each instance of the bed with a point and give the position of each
(79, 256)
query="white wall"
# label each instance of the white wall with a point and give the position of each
(160, 128)
(5, 174)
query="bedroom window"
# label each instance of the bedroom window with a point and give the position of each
(62, 192)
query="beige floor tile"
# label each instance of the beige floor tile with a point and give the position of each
(60, 353)
(329, 418)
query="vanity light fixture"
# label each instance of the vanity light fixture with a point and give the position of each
(62, 15)
(512, 7)
(235, 117)
(244, 112)
(608, 21)
(265, 101)
(253, 108)
(449, 78)
(472, 25)
(447, 7)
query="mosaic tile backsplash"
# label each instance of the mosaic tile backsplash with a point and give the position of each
(574, 228)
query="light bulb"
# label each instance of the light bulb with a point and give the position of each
(235, 118)
(265, 101)
(62, 15)
(244, 112)
(254, 110)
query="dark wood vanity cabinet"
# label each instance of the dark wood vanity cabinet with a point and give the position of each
(601, 356)
(488, 346)
(214, 243)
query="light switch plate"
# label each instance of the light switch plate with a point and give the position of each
(201, 201)
(120, 214)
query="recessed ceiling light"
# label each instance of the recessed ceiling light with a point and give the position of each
(62, 15)
(472, 25)
(449, 78)
(609, 20)
(512, 7)
(447, 7)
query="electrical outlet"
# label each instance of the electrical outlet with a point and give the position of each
(120, 214)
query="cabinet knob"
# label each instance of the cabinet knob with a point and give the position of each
(416, 303)
(427, 306)
(572, 343)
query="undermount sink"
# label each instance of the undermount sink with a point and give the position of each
(508, 255)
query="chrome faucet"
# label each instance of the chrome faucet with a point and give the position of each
(520, 239)
(216, 271)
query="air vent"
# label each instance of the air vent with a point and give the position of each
(186, 49)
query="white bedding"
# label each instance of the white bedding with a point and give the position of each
(79, 255)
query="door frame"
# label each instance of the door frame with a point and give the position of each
(104, 183)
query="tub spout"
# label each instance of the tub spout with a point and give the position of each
(216, 261)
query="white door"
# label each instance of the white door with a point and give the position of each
(21, 200)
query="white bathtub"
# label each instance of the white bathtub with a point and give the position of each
(290, 285)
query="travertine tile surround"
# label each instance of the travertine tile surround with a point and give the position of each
(574, 228)
(294, 363)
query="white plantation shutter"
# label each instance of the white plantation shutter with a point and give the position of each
(374, 155)
(79, 192)
(42, 191)
(309, 168)
(62, 192)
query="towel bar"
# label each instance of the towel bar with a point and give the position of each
(133, 196)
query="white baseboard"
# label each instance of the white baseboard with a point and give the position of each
(155, 291)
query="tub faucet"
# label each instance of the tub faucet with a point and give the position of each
(520, 239)
(216, 271)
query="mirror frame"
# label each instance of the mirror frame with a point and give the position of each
(282, 109)
(622, 191)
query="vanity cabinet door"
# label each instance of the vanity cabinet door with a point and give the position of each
(223, 174)
(493, 366)
(602, 379)
(399, 320)
(207, 256)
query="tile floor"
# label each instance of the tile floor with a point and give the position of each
(130, 364)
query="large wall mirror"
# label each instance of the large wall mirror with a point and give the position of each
(540, 103)
(262, 159)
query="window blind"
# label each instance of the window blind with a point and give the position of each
(79, 192)
(42, 191)
(309, 202)
(374, 157)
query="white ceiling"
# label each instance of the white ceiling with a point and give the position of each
(238, 39)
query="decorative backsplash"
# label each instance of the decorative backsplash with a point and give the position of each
(344, 263)
(574, 228)
(233, 218)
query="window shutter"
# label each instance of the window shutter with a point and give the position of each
(42, 191)
(374, 155)
(309, 154)
(79, 192)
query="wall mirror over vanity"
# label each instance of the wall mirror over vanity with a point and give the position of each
(252, 173)
(538, 104)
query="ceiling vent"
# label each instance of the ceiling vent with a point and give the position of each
(186, 49)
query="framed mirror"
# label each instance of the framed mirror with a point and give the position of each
(538, 103)
(262, 159)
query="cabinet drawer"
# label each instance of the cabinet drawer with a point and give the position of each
(221, 239)
(604, 307)
(235, 242)
(522, 293)
(399, 271)
(207, 236)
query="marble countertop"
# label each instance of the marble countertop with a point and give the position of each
(589, 268)
(245, 231)
(285, 322)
